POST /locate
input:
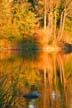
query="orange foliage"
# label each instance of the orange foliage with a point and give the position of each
(67, 38)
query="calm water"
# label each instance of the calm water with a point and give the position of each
(50, 73)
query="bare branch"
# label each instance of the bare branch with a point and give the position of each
(69, 16)
(68, 12)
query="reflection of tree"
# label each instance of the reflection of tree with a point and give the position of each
(55, 87)
(46, 72)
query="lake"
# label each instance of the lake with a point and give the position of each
(48, 73)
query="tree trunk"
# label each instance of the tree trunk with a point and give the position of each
(62, 23)
(45, 14)
(44, 88)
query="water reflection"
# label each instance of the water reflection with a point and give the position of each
(32, 104)
(50, 72)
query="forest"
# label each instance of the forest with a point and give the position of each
(36, 50)
(47, 21)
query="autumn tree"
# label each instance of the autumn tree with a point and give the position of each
(55, 16)
(22, 17)
(17, 18)
(58, 12)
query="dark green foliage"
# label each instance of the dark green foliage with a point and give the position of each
(33, 2)
(29, 48)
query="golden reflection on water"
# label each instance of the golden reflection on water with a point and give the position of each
(47, 72)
